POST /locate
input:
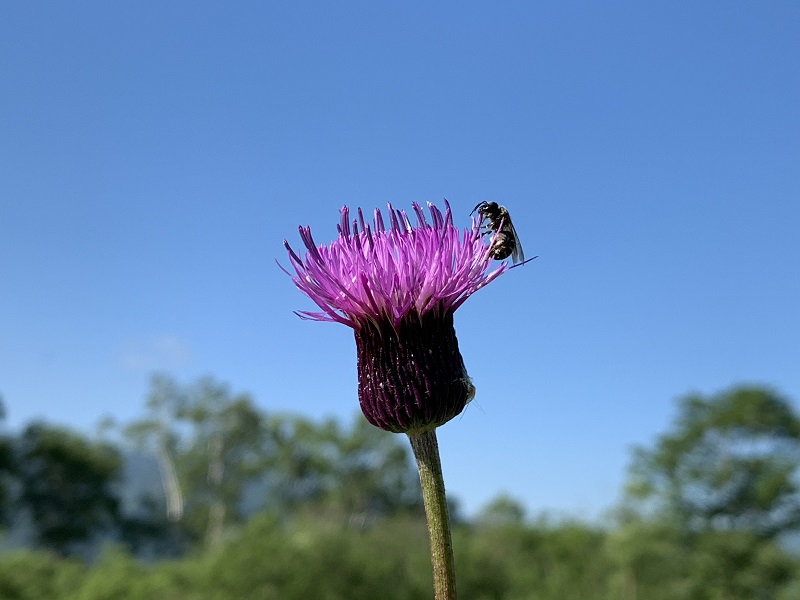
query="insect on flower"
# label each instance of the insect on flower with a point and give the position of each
(497, 223)
(397, 286)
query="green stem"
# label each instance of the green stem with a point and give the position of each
(426, 451)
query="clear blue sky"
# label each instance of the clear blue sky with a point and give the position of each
(153, 156)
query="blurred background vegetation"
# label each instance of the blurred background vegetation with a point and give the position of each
(209, 497)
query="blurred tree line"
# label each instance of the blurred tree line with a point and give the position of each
(209, 497)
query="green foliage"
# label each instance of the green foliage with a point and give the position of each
(729, 463)
(313, 560)
(649, 561)
(118, 576)
(224, 453)
(38, 576)
(656, 561)
(6, 468)
(565, 561)
(316, 559)
(369, 473)
(357, 474)
(345, 519)
(215, 449)
(7, 473)
(718, 490)
(502, 511)
(739, 565)
(67, 485)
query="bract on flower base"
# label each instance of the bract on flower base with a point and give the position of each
(411, 378)
(398, 288)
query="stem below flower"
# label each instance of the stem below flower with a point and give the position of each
(426, 451)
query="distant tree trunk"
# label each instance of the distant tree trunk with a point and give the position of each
(169, 478)
(216, 512)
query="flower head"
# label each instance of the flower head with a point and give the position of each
(398, 287)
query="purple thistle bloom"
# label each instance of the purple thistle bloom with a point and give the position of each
(398, 288)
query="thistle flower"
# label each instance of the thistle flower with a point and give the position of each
(397, 287)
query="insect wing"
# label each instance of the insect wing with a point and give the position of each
(517, 255)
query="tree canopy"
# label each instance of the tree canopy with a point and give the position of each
(67, 485)
(728, 463)
(283, 506)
